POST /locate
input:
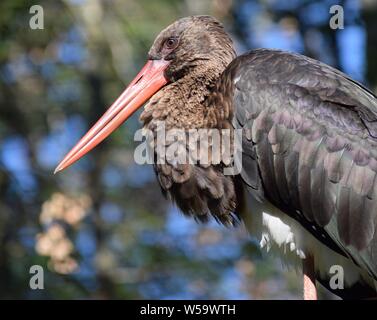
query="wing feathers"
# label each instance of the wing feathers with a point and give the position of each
(313, 135)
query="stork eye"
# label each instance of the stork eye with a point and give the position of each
(171, 43)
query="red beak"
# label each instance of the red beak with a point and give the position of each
(149, 80)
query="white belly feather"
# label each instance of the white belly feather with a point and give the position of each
(281, 235)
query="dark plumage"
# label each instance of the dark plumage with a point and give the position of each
(309, 148)
(197, 190)
(309, 144)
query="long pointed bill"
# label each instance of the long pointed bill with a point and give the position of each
(149, 80)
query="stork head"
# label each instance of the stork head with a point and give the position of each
(189, 45)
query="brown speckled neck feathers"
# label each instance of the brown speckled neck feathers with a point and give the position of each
(191, 102)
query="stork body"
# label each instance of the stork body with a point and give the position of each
(307, 188)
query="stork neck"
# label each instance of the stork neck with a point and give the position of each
(183, 103)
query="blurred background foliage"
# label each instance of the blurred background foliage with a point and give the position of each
(102, 229)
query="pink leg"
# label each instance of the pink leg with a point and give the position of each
(310, 291)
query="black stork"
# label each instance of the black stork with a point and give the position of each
(307, 187)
